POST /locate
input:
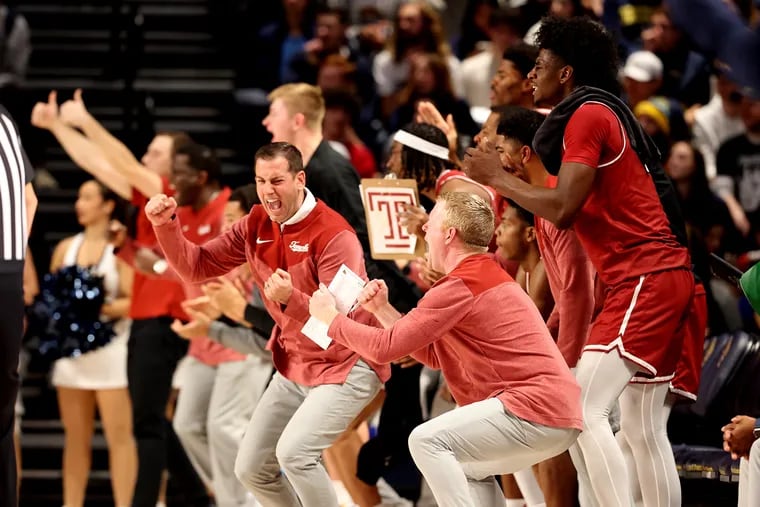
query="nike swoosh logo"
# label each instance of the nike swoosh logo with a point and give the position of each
(260, 241)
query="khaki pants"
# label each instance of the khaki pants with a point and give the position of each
(213, 410)
(461, 451)
(280, 457)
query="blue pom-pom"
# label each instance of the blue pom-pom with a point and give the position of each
(65, 316)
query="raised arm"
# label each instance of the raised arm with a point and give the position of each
(195, 263)
(139, 177)
(79, 148)
(590, 130)
(558, 205)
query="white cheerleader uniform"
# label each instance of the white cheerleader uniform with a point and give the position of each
(106, 367)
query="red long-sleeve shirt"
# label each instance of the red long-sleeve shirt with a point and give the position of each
(482, 353)
(571, 280)
(311, 250)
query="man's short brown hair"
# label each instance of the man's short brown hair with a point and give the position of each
(302, 98)
(285, 150)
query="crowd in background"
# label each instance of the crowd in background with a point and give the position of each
(381, 66)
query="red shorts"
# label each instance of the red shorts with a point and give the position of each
(686, 381)
(643, 319)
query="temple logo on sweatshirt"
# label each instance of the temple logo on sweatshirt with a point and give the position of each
(297, 247)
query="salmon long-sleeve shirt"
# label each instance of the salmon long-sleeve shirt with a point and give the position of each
(571, 280)
(311, 246)
(483, 353)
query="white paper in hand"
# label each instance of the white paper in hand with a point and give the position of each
(316, 330)
(345, 288)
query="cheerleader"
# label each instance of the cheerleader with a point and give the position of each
(97, 379)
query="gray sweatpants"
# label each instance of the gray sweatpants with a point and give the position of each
(213, 410)
(461, 451)
(290, 428)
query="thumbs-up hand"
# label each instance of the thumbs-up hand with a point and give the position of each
(45, 114)
(73, 111)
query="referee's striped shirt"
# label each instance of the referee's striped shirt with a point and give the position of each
(15, 173)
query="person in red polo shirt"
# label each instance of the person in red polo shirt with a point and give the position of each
(612, 190)
(292, 242)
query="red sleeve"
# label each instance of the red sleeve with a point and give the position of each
(552, 322)
(587, 135)
(198, 263)
(575, 297)
(427, 356)
(344, 248)
(437, 313)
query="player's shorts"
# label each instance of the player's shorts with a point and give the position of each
(689, 368)
(643, 319)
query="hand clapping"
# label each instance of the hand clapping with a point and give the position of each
(483, 164)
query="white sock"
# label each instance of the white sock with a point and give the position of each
(531, 491)
(514, 502)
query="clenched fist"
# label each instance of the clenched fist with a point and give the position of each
(374, 296)
(279, 287)
(160, 209)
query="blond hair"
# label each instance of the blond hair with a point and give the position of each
(302, 98)
(471, 216)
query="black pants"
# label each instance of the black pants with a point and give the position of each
(11, 329)
(153, 353)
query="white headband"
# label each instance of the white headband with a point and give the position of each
(421, 145)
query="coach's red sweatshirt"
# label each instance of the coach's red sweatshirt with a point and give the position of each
(311, 246)
(486, 336)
